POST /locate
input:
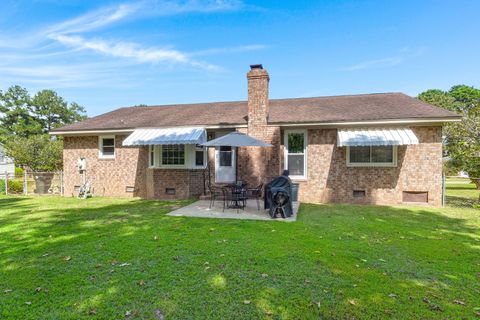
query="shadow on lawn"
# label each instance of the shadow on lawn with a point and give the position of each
(175, 264)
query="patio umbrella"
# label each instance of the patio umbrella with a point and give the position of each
(236, 139)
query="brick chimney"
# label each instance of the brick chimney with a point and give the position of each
(256, 164)
(257, 99)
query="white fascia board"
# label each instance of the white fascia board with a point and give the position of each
(121, 131)
(369, 122)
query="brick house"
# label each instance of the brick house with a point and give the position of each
(373, 148)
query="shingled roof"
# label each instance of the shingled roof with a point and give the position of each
(349, 108)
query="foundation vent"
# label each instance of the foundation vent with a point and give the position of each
(415, 196)
(359, 193)
(170, 191)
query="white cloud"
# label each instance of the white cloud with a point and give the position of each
(404, 54)
(379, 63)
(74, 53)
(237, 49)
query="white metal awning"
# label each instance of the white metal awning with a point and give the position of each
(355, 137)
(158, 136)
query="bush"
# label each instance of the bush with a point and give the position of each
(14, 186)
(18, 172)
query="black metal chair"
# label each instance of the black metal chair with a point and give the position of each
(255, 193)
(216, 193)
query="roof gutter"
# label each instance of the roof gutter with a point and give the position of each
(115, 131)
(369, 122)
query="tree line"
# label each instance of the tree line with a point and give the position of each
(25, 121)
(462, 139)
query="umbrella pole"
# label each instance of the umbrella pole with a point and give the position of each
(236, 164)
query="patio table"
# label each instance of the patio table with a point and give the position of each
(236, 196)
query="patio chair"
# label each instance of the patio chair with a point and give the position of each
(216, 193)
(234, 197)
(255, 193)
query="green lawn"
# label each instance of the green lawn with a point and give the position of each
(461, 192)
(63, 258)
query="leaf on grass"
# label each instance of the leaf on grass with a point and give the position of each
(426, 300)
(268, 313)
(67, 258)
(435, 307)
(393, 295)
(114, 262)
(381, 260)
(28, 303)
(176, 258)
(124, 264)
(460, 302)
(364, 260)
(246, 301)
(38, 289)
(98, 265)
(7, 290)
(159, 314)
(92, 312)
(212, 229)
(155, 238)
(45, 254)
(264, 275)
(141, 283)
(352, 302)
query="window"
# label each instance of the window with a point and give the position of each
(107, 146)
(295, 154)
(152, 155)
(173, 154)
(225, 156)
(199, 156)
(372, 156)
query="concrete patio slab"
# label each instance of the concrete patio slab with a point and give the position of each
(201, 209)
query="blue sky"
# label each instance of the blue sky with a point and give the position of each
(110, 54)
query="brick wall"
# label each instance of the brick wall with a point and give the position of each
(187, 183)
(330, 180)
(109, 177)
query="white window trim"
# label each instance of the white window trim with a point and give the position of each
(305, 153)
(100, 147)
(194, 164)
(392, 164)
(189, 158)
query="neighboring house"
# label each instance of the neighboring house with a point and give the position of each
(6, 164)
(373, 148)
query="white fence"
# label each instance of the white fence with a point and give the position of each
(32, 183)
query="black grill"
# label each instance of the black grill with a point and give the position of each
(278, 196)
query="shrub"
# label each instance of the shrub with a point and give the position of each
(18, 172)
(15, 186)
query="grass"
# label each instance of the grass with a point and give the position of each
(461, 192)
(107, 258)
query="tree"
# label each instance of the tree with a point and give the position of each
(37, 152)
(52, 111)
(462, 138)
(24, 116)
(17, 114)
